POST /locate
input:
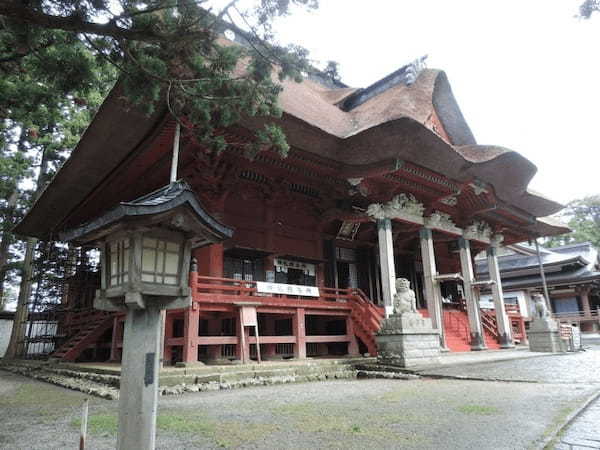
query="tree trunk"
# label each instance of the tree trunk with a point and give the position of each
(15, 347)
(16, 344)
(5, 243)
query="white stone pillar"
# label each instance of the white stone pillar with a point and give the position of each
(504, 328)
(471, 295)
(386, 263)
(433, 295)
(138, 396)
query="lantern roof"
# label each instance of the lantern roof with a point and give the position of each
(172, 207)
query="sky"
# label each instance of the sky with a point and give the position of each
(526, 74)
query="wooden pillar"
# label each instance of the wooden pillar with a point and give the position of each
(377, 280)
(210, 260)
(386, 264)
(320, 274)
(269, 330)
(214, 329)
(298, 327)
(190, 334)
(352, 344)
(191, 318)
(504, 328)
(433, 295)
(523, 330)
(114, 342)
(584, 294)
(243, 348)
(471, 295)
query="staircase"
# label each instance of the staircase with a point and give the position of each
(490, 328)
(458, 335)
(456, 327)
(366, 318)
(71, 349)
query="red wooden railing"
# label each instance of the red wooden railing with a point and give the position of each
(228, 287)
(488, 320)
(577, 316)
(76, 319)
(365, 315)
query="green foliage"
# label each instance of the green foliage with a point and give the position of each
(50, 86)
(583, 217)
(168, 52)
(332, 71)
(59, 58)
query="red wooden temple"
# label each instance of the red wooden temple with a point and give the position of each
(381, 182)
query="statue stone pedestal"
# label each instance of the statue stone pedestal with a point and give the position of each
(407, 340)
(543, 336)
(543, 333)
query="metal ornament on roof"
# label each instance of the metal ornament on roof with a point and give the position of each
(414, 69)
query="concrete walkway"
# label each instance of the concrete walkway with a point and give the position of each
(557, 368)
(584, 432)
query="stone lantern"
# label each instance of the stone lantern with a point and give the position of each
(146, 247)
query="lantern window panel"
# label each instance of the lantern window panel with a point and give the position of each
(160, 261)
(118, 262)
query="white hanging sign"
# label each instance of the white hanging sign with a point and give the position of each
(287, 289)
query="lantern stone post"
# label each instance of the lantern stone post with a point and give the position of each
(146, 249)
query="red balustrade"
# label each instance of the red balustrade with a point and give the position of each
(366, 316)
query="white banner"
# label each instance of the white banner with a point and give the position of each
(287, 289)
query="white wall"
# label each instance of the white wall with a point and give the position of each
(487, 302)
(5, 330)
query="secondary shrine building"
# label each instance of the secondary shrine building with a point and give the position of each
(380, 183)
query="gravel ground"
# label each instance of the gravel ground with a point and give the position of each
(374, 413)
(580, 367)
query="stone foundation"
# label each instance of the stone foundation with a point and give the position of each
(544, 337)
(408, 340)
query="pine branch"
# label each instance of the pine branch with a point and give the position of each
(17, 11)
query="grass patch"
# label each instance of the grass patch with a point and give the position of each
(100, 424)
(224, 434)
(44, 399)
(181, 423)
(234, 434)
(406, 392)
(347, 422)
(478, 410)
(38, 394)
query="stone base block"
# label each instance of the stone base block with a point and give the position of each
(408, 341)
(544, 341)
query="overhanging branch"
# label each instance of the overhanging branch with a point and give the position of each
(17, 10)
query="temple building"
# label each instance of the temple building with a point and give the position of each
(572, 276)
(380, 183)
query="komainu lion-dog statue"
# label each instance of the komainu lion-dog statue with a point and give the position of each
(404, 299)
